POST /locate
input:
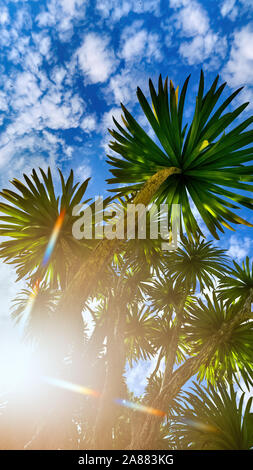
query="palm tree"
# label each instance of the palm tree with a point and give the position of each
(30, 216)
(212, 419)
(210, 339)
(204, 165)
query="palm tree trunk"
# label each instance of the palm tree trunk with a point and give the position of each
(107, 412)
(171, 356)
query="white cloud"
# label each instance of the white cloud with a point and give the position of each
(233, 8)
(123, 87)
(83, 172)
(239, 68)
(229, 8)
(137, 42)
(3, 101)
(26, 89)
(136, 377)
(60, 14)
(58, 74)
(135, 45)
(192, 19)
(4, 16)
(43, 42)
(8, 287)
(89, 123)
(202, 47)
(107, 123)
(114, 10)
(203, 44)
(107, 117)
(96, 58)
(239, 248)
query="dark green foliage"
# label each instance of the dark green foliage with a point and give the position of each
(213, 419)
(212, 162)
(30, 216)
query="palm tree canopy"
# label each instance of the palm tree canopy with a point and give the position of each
(195, 262)
(39, 319)
(30, 217)
(214, 419)
(233, 355)
(211, 162)
(237, 284)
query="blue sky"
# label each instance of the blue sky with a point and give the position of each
(67, 64)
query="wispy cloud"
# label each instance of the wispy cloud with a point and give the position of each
(229, 8)
(239, 248)
(96, 58)
(239, 68)
(60, 15)
(234, 8)
(137, 41)
(203, 45)
(114, 10)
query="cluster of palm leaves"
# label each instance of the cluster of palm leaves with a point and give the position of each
(185, 313)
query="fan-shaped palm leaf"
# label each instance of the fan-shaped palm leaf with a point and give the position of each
(140, 324)
(237, 284)
(165, 295)
(233, 350)
(214, 420)
(30, 217)
(210, 163)
(195, 261)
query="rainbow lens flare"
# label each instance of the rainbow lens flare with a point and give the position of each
(70, 386)
(199, 425)
(138, 407)
(31, 300)
(88, 391)
(53, 238)
(47, 255)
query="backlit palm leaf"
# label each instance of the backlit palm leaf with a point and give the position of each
(236, 285)
(195, 262)
(213, 420)
(29, 218)
(212, 163)
(140, 324)
(233, 355)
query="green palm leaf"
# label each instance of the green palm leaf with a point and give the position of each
(208, 159)
(30, 216)
(195, 263)
(213, 419)
(233, 350)
(237, 284)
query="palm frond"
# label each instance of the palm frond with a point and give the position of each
(213, 164)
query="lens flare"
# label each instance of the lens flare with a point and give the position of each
(70, 386)
(47, 255)
(30, 302)
(138, 407)
(53, 238)
(199, 425)
(87, 391)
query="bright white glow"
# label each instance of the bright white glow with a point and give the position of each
(18, 369)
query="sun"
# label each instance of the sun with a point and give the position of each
(19, 369)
